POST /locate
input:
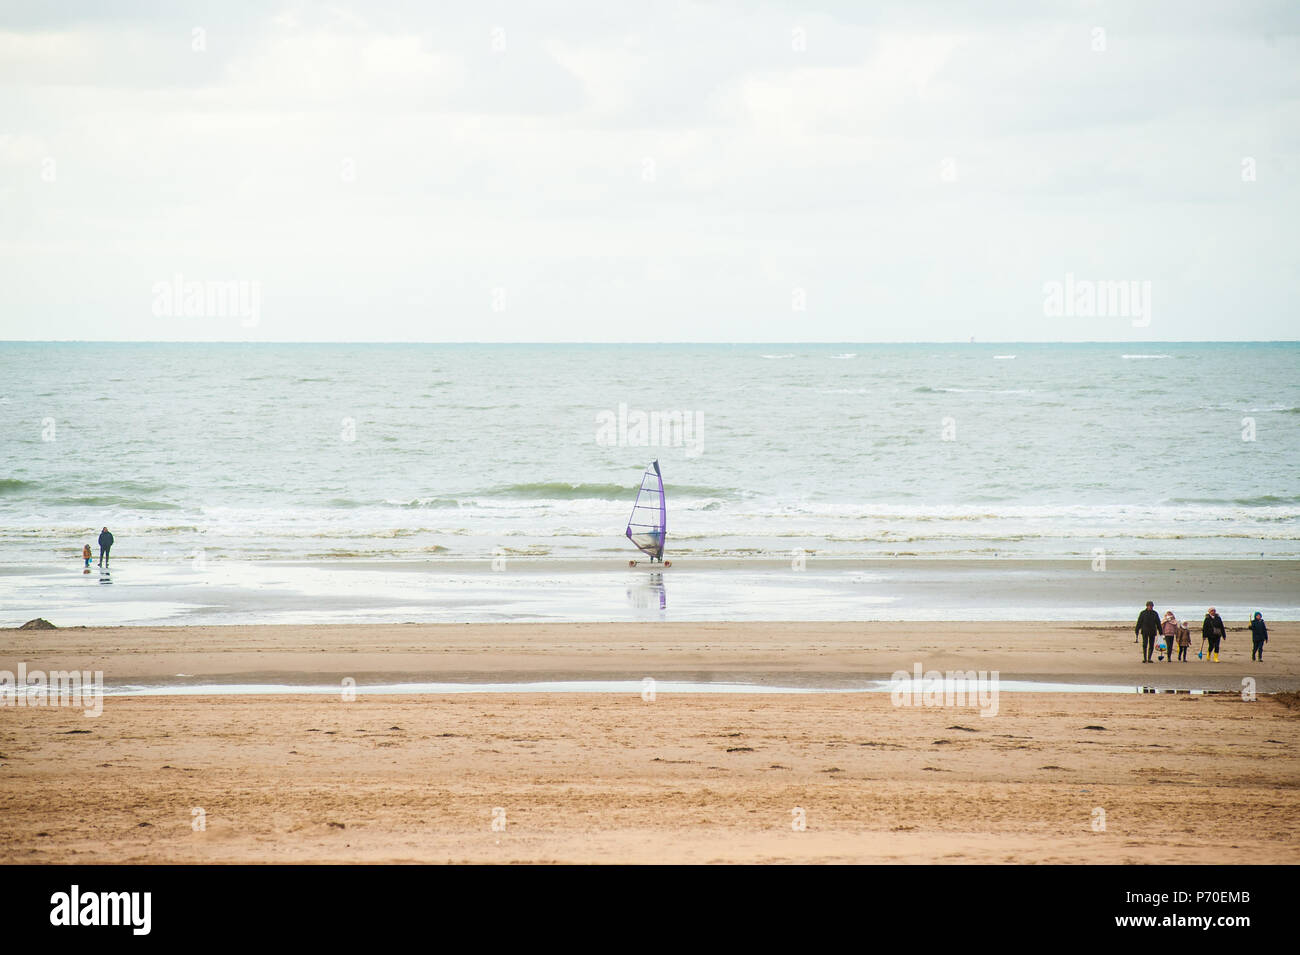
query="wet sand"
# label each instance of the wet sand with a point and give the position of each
(617, 778)
(821, 654)
(141, 592)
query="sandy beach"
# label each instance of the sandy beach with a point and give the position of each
(786, 653)
(1052, 777)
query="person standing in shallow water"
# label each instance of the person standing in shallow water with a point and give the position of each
(1212, 630)
(105, 544)
(1148, 624)
(1258, 636)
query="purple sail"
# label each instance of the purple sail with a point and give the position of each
(648, 525)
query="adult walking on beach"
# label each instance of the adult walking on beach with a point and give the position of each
(1148, 624)
(1212, 631)
(1258, 636)
(105, 544)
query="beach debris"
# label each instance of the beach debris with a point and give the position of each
(964, 729)
(740, 749)
(336, 825)
(1094, 727)
(40, 623)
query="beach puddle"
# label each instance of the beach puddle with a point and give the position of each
(616, 687)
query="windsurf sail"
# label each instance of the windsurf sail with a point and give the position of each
(648, 525)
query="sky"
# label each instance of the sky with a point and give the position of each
(595, 171)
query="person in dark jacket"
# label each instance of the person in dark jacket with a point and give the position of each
(105, 543)
(1212, 631)
(1148, 624)
(1258, 636)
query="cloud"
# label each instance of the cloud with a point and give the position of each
(916, 168)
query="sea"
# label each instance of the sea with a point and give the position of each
(229, 457)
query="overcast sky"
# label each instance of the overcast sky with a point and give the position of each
(610, 171)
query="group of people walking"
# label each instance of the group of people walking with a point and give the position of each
(1151, 628)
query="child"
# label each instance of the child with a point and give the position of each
(1184, 641)
(1169, 630)
(85, 553)
(1258, 637)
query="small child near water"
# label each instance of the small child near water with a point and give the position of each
(85, 553)
(1184, 642)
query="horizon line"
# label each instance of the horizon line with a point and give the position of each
(935, 341)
